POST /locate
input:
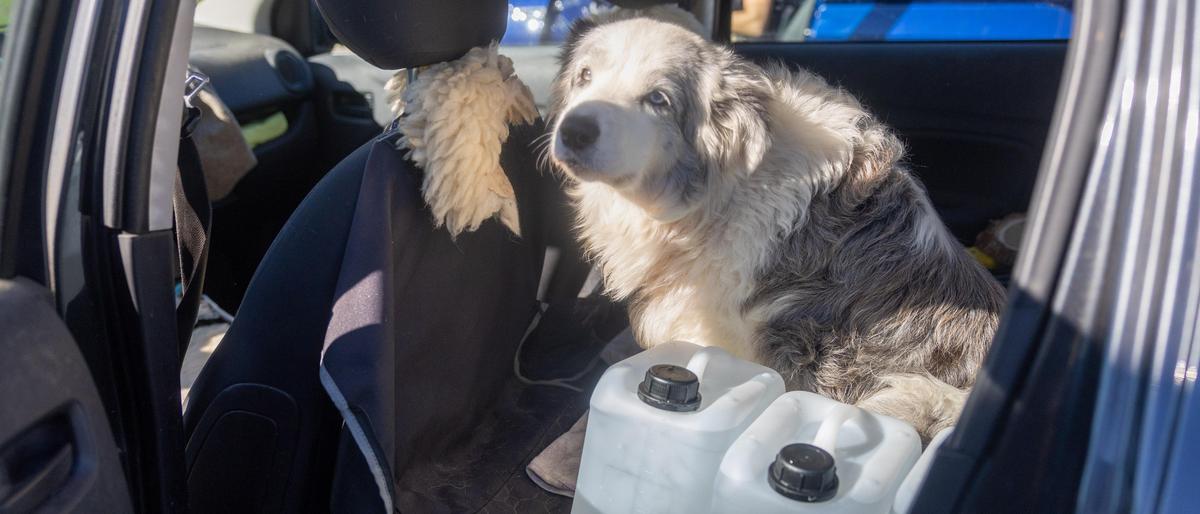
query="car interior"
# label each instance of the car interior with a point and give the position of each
(974, 116)
(368, 360)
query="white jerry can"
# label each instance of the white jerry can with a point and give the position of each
(810, 454)
(659, 425)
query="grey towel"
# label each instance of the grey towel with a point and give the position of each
(557, 467)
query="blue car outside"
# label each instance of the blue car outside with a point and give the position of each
(528, 19)
(940, 20)
(846, 20)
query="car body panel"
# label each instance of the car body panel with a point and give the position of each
(940, 21)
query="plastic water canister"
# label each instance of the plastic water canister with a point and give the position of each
(810, 454)
(907, 493)
(659, 425)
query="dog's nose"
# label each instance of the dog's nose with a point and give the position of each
(579, 131)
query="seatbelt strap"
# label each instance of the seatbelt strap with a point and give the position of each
(193, 217)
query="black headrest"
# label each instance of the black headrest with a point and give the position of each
(394, 34)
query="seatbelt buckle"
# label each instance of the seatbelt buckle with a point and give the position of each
(192, 85)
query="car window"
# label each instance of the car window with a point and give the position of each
(545, 22)
(5, 14)
(900, 20)
(535, 30)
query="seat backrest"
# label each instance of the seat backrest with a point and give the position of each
(454, 310)
(360, 264)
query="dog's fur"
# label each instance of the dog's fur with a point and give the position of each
(766, 212)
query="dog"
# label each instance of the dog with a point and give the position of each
(761, 210)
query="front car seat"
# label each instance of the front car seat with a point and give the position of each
(369, 338)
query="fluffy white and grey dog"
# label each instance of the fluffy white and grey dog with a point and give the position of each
(766, 212)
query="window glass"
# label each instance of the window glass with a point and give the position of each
(900, 20)
(545, 22)
(5, 13)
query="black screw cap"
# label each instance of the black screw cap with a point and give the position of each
(804, 472)
(669, 387)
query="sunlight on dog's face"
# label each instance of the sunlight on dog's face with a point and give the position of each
(626, 114)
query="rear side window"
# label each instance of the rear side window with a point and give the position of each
(900, 20)
(545, 22)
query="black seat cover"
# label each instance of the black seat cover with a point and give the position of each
(360, 264)
(368, 340)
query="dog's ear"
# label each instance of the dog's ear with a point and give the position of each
(579, 28)
(737, 136)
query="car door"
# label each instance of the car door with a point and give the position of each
(970, 86)
(57, 449)
(1088, 401)
(57, 453)
(91, 109)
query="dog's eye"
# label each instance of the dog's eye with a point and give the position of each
(658, 98)
(585, 76)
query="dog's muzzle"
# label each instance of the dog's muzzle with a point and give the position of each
(579, 132)
(590, 143)
(576, 147)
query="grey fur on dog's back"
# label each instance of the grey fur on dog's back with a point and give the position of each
(766, 212)
(852, 296)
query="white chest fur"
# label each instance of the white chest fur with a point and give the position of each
(689, 288)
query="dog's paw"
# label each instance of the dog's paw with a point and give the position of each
(926, 403)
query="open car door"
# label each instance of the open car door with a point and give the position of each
(57, 450)
(57, 453)
(89, 358)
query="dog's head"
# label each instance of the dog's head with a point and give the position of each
(656, 112)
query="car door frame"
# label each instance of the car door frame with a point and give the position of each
(57, 446)
(129, 255)
(87, 167)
